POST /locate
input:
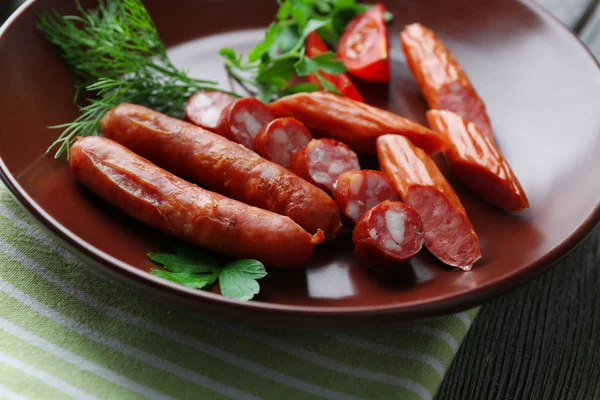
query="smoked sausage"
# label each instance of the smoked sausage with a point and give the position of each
(388, 234)
(241, 120)
(477, 162)
(220, 165)
(280, 139)
(442, 80)
(322, 161)
(356, 124)
(204, 108)
(179, 208)
(449, 234)
(356, 192)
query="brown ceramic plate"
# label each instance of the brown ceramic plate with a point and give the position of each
(542, 89)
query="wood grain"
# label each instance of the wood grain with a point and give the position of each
(539, 342)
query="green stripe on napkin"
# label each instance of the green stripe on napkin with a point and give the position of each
(68, 332)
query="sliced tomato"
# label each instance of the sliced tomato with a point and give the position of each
(315, 46)
(364, 46)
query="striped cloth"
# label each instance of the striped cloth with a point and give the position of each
(68, 332)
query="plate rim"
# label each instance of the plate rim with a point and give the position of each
(178, 294)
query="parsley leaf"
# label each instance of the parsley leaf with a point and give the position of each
(270, 69)
(238, 279)
(194, 281)
(189, 267)
(263, 47)
(325, 62)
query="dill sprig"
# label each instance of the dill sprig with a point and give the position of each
(116, 50)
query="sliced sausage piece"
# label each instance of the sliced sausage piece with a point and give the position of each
(388, 234)
(179, 208)
(477, 162)
(356, 124)
(442, 80)
(204, 108)
(449, 235)
(220, 165)
(322, 161)
(241, 120)
(356, 192)
(280, 139)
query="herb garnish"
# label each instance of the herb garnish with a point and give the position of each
(191, 268)
(117, 51)
(270, 68)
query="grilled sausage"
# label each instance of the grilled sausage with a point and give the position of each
(442, 80)
(179, 208)
(477, 162)
(449, 235)
(388, 234)
(220, 165)
(356, 124)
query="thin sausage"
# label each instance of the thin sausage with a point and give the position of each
(179, 208)
(356, 124)
(280, 139)
(356, 192)
(449, 235)
(204, 108)
(442, 80)
(388, 234)
(477, 162)
(322, 161)
(241, 120)
(220, 165)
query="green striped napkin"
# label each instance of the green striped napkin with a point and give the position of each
(68, 332)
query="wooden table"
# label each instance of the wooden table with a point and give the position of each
(541, 341)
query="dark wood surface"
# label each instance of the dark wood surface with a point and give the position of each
(541, 341)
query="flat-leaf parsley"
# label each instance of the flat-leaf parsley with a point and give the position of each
(189, 267)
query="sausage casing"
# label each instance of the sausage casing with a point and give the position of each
(179, 208)
(220, 165)
(442, 80)
(449, 234)
(356, 124)
(477, 162)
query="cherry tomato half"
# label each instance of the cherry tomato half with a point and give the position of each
(364, 46)
(315, 46)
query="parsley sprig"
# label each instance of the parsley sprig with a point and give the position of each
(270, 68)
(189, 267)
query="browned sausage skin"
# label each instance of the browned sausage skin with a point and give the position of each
(449, 234)
(477, 162)
(388, 234)
(220, 165)
(179, 208)
(356, 124)
(442, 80)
